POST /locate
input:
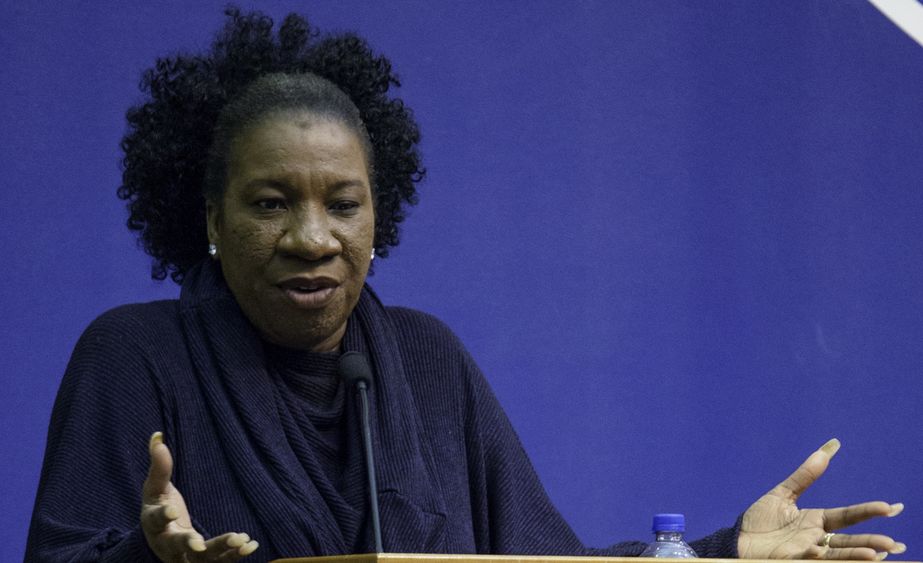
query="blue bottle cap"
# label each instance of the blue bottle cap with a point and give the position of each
(669, 523)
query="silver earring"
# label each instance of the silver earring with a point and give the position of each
(373, 255)
(212, 249)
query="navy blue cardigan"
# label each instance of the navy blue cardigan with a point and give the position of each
(452, 474)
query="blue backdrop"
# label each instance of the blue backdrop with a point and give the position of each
(682, 239)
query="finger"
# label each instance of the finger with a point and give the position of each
(184, 542)
(845, 516)
(809, 471)
(253, 545)
(852, 554)
(875, 542)
(155, 517)
(238, 553)
(234, 555)
(231, 540)
(815, 552)
(158, 476)
(230, 547)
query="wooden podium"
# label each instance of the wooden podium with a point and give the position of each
(437, 558)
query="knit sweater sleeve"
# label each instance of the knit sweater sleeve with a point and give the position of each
(88, 502)
(721, 544)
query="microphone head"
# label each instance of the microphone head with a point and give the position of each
(353, 368)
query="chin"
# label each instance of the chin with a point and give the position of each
(319, 332)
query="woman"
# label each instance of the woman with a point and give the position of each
(305, 166)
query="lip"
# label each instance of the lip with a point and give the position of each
(309, 292)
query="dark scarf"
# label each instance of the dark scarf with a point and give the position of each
(271, 454)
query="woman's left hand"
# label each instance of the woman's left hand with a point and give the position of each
(775, 528)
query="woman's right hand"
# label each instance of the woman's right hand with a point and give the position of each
(166, 523)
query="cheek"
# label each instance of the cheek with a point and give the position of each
(358, 240)
(254, 241)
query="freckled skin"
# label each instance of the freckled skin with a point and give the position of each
(298, 201)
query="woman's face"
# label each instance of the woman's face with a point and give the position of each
(295, 228)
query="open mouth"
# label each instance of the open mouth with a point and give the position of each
(308, 289)
(309, 294)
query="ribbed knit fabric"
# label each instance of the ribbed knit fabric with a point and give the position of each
(318, 391)
(453, 477)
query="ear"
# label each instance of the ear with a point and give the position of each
(212, 220)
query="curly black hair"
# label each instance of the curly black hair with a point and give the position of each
(170, 135)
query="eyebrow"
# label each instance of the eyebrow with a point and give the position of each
(282, 185)
(344, 184)
(265, 182)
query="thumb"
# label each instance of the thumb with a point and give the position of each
(158, 476)
(806, 474)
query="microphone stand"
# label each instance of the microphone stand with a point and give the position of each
(354, 369)
(370, 463)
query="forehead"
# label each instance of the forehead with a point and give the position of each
(297, 142)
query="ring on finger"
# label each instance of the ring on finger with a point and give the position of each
(826, 541)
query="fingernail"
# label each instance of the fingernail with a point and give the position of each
(898, 548)
(156, 438)
(831, 447)
(896, 509)
(197, 544)
(882, 556)
(249, 548)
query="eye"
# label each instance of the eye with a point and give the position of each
(344, 206)
(271, 204)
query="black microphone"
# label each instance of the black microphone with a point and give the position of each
(355, 370)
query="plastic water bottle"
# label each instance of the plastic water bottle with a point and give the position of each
(668, 542)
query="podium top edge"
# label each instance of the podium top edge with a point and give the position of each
(462, 558)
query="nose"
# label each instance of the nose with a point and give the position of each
(308, 235)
